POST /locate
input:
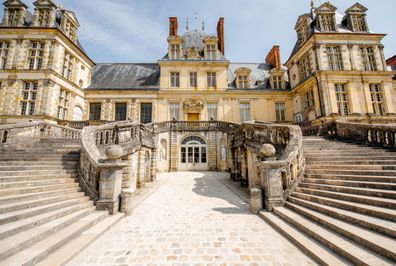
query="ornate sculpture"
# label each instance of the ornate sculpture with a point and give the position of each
(193, 53)
(193, 105)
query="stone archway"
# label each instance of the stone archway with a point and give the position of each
(193, 154)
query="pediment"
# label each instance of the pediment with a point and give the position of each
(14, 3)
(357, 8)
(301, 19)
(44, 3)
(70, 15)
(243, 71)
(326, 8)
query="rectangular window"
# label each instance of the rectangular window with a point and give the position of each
(211, 52)
(368, 59)
(305, 67)
(146, 110)
(376, 99)
(175, 79)
(211, 79)
(358, 23)
(280, 112)
(174, 111)
(29, 94)
(63, 107)
(212, 111)
(4, 46)
(43, 17)
(70, 30)
(327, 22)
(309, 99)
(95, 110)
(13, 17)
(193, 80)
(243, 82)
(334, 57)
(342, 99)
(36, 53)
(68, 63)
(244, 112)
(175, 51)
(120, 111)
(278, 82)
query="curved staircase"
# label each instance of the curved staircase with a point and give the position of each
(44, 216)
(343, 211)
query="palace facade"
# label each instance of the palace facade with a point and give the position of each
(337, 69)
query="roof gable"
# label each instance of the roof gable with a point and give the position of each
(14, 3)
(356, 8)
(301, 19)
(44, 3)
(72, 16)
(325, 8)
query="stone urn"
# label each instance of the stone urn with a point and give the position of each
(267, 150)
(114, 152)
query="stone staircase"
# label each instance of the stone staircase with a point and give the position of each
(343, 211)
(44, 217)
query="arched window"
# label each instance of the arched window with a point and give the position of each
(193, 151)
(77, 114)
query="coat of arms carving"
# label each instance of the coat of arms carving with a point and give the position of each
(193, 105)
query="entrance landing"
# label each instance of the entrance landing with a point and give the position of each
(192, 219)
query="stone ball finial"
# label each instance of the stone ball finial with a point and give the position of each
(267, 150)
(114, 152)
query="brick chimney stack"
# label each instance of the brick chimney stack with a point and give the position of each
(220, 34)
(273, 57)
(173, 25)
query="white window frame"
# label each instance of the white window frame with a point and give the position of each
(175, 51)
(280, 112)
(212, 111)
(243, 81)
(211, 51)
(342, 97)
(377, 99)
(334, 57)
(29, 95)
(63, 106)
(175, 79)
(68, 66)
(36, 54)
(244, 111)
(211, 79)
(174, 111)
(193, 79)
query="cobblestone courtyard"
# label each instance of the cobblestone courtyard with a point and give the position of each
(192, 219)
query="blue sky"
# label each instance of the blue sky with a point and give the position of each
(136, 30)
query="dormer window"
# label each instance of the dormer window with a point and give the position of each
(243, 81)
(327, 22)
(358, 23)
(43, 18)
(305, 67)
(211, 52)
(70, 30)
(175, 51)
(278, 82)
(13, 17)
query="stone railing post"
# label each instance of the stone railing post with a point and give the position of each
(110, 180)
(271, 178)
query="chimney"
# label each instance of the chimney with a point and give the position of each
(220, 34)
(173, 25)
(273, 57)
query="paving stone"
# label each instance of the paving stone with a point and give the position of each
(192, 219)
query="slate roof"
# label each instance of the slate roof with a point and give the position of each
(125, 77)
(146, 76)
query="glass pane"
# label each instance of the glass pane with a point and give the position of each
(145, 113)
(196, 155)
(120, 111)
(190, 155)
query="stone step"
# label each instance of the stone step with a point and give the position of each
(347, 153)
(37, 252)
(19, 226)
(379, 212)
(18, 191)
(77, 245)
(36, 157)
(384, 227)
(381, 193)
(375, 201)
(13, 244)
(325, 157)
(352, 172)
(35, 183)
(308, 245)
(337, 243)
(353, 162)
(52, 163)
(369, 178)
(20, 178)
(25, 213)
(38, 168)
(348, 183)
(382, 245)
(4, 208)
(38, 172)
(352, 167)
(35, 196)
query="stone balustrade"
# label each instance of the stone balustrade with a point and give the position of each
(274, 160)
(23, 134)
(193, 126)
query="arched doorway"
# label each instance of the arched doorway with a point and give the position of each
(193, 154)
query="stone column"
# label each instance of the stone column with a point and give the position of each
(110, 181)
(381, 49)
(351, 57)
